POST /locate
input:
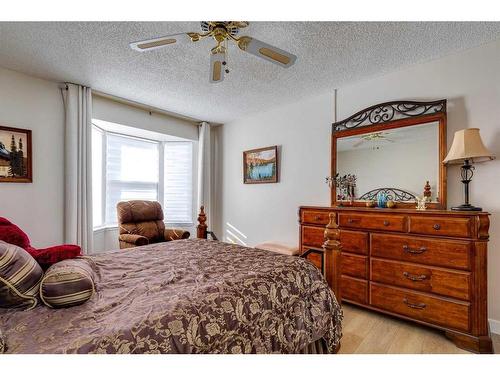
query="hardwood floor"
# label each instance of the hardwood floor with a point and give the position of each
(367, 332)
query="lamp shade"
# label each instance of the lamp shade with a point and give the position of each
(467, 144)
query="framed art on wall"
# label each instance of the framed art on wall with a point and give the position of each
(260, 166)
(15, 155)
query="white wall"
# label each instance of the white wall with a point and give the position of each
(469, 80)
(120, 113)
(31, 103)
(269, 211)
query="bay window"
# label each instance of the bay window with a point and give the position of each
(128, 167)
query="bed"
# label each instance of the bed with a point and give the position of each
(188, 296)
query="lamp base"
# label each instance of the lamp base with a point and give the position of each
(466, 207)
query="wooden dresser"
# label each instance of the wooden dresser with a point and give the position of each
(427, 266)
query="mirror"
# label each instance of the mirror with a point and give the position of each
(400, 160)
(397, 155)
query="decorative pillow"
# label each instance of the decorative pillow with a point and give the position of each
(52, 255)
(12, 234)
(68, 283)
(20, 277)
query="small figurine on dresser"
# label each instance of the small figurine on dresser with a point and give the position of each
(382, 199)
(390, 204)
(427, 192)
(420, 201)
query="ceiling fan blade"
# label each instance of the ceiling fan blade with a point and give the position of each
(266, 51)
(151, 44)
(216, 67)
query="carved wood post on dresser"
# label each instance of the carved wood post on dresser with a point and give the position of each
(428, 267)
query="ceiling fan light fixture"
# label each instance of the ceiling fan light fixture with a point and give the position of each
(222, 32)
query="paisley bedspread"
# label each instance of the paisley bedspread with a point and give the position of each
(187, 296)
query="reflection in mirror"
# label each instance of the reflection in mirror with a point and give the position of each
(402, 158)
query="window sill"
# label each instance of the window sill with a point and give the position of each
(178, 225)
(104, 228)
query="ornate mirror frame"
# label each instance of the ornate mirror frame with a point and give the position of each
(391, 115)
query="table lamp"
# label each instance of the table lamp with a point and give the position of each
(467, 147)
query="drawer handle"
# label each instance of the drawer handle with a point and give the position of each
(411, 277)
(317, 218)
(407, 249)
(437, 226)
(418, 306)
(351, 220)
(386, 223)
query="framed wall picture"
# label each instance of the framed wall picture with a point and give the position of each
(260, 166)
(15, 155)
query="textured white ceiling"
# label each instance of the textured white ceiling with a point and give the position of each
(175, 78)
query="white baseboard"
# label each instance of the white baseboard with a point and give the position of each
(495, 326)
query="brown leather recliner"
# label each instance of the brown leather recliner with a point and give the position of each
(141, 223)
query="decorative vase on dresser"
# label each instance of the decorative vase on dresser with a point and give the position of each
(427, 266)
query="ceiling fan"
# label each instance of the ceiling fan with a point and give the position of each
(222, 32)
(378, 136)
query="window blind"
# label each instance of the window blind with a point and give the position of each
(132, 171)
(178, 188)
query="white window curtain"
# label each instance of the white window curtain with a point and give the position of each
(204, 171)
(77, 166)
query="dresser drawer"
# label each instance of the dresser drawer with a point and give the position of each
(354, 242)
(315, 217)
(395, 223)
(423, 307)
(355, 265)
(314, 258)
(441, 226)
(454, 284)
(354, 290)
(435, 252)
(313, 236)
